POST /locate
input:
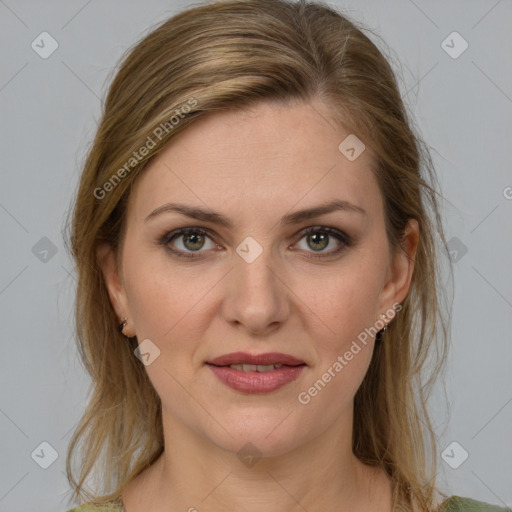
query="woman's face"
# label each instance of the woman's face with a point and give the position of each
(249, 278)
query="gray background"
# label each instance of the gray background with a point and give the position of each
(50, 107)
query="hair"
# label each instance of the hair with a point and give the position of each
(229, 55)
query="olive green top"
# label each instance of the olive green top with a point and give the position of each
(452, 504)
(456, 504)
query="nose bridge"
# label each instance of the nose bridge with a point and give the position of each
(257, 298)
(254, 269)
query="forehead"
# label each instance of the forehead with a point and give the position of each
(256, 162)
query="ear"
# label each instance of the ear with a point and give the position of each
(108, 264)
(401, 269)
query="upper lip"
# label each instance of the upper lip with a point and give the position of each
(257, 359)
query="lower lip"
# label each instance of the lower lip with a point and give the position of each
(256, 382)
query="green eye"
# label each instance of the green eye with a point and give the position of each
(189, 242)
(319, 237)
(192, 240)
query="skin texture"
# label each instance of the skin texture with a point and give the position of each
(255, 166)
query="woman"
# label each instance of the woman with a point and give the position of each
(255, 241)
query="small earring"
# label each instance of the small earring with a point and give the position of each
(122, 325)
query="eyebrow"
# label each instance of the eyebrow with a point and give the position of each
(290, 218)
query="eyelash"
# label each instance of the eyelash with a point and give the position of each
(346, 240)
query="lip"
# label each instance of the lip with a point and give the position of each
(263, 359)
(254, 381)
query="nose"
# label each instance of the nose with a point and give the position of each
(257, 297)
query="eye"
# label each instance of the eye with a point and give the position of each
(189, 240)
(319, 238)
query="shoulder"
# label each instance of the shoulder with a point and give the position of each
(89, 507)
(458, 504)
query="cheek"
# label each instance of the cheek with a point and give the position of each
(345, 301)
(172, 306)
(165, 299)
(344, 348)
(168, 308)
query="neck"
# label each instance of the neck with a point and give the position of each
(322, 474)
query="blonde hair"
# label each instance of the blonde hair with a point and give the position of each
(231, 55)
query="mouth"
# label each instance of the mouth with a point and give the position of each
(256, 373)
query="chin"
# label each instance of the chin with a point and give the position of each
(270, 433)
